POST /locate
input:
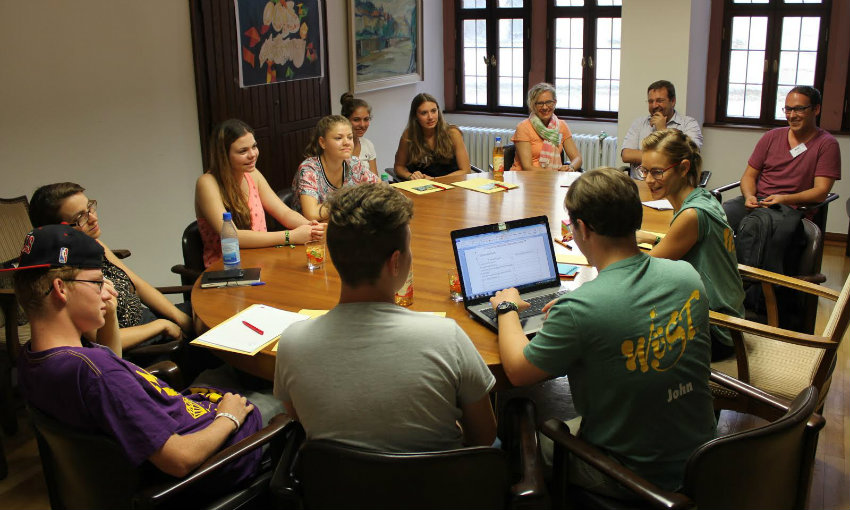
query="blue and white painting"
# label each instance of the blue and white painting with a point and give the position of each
(385, 43)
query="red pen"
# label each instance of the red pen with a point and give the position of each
(501, 186)
(253, 328)
(438, 186)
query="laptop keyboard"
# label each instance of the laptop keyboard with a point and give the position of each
(536, 307)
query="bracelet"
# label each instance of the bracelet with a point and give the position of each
(229, 417)
(286, 236)
(657, 240)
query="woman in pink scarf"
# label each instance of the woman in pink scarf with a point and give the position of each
(540, 138)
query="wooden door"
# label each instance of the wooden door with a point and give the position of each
(282, 114)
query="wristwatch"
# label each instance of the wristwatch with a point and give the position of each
(505, 307)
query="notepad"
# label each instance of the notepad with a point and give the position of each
(234, 336)
(422, 186)
(484, 185)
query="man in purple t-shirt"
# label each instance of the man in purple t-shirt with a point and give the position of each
(60, 284)
(790, 166)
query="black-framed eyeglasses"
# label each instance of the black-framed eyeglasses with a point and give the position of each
(99, 283)
(541, 104)
(83, 218)
(788, 110)
(656, 173)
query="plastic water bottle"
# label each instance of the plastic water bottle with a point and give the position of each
(229, 243)
(498, 157)
(385, 177)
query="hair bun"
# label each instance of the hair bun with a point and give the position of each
(346, 97)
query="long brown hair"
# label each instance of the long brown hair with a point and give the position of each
(222, 138)
(418, 151)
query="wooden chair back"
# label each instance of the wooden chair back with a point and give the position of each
(331, 475)
(14, 225)
(766, 467)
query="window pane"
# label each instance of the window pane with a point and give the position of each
(474, 66)
(474, 4)
(803, 1)
(809, 34)
(607, 45)
(510, 63)
(569, 50)
(751, 1)
(791, 33)
(752, 101)
(569, 3)
(510, 3)
(781, 92)
(609, 3)
(735, 101)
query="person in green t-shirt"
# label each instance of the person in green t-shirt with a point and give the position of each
(699, 232)
(634, 342)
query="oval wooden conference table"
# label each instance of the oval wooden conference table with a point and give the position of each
(290, 286)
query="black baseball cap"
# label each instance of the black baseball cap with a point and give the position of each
(53, 246)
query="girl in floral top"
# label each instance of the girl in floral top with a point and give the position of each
(329, 166)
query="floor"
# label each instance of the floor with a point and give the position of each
(24, 488)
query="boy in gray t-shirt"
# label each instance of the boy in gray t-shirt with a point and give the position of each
(634, 342)
(370, 373)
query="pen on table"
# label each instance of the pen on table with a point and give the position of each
(253, 328)
(562, 243)
(438, 186)
(500, 185)
(254, 284)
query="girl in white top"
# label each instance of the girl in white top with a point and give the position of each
(359, 113)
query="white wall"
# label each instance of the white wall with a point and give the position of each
(390, 106)
(102, 93)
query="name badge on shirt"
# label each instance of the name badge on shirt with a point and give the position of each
(796, 151)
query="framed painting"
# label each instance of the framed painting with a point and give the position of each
(385, 43)
(279, 40)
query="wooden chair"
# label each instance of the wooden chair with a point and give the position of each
(766, 467)
(779, 361)
(90, 470)
(324, 474)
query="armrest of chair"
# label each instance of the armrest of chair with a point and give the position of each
(727, 187)
(520, 439)
(121, 253)
(159, 496)
(646, 490)
(175, 289)
(168, 371)
(752, 393)
(283, 486)
(764, 330)
(185, 271)
(166, 348)
(475, 169)
(786, 281)
(830, 197)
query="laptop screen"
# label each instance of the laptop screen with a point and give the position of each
(506, 256)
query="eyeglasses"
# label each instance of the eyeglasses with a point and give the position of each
(791, 109)
(661, 100)
(548, 104)
(656, 173)
(83, 218)
(99, 284)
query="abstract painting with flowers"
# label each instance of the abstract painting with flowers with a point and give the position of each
(279, 40)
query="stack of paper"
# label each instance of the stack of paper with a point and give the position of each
(422, 186)
(485, 185)
(250, 330)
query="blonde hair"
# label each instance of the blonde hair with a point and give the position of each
(325, 124)
(222, 138)
(418, 151)
(676, 146)
(535, 91)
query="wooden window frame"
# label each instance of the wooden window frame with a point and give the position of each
(491, 14)
(590, 14)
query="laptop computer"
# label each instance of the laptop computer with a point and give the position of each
(516, 253)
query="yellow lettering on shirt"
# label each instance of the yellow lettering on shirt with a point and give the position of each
(210, 394)
(156, 383)
(194, 409)
(662, 348)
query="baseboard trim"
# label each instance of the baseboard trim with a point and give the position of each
(835, 238)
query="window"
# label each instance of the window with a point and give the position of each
(492, 54)
(768, 47)
(584, 56)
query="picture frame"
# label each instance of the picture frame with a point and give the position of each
(385, 43)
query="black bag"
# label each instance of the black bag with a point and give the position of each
(752, 237)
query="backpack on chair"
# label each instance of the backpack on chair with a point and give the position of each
(751, 241)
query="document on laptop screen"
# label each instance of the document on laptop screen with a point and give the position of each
(498, 260)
